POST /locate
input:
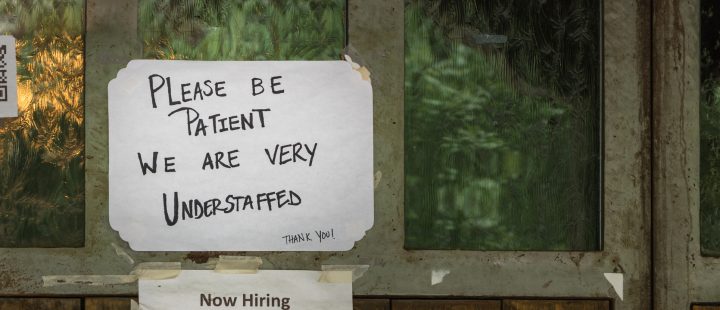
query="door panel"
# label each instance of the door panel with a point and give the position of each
(107, 303)
(40, 304)
(556, 305)
(446, 305)
(371, 304)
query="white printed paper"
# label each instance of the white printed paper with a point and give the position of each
(267, 289)
(8, 78)
(245, 156)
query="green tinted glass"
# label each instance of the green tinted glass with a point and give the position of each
(42, 176)
(242, 30)
(710, 129)
(502, 125)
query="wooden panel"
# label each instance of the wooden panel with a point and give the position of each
(706, 307)
(446, 305)
(107, 303)
(39, 304)
(556, 305)
(371, 304)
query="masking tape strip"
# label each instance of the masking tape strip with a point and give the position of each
(210, 264)
(92, 280)
(364, 72)
(157, 270)
(238, 264)
(342, 273)
(120, 252)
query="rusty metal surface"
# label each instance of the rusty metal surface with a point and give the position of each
(376, 32)
(683, 276)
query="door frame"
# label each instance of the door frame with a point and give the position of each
(376, 33)
(682, 275)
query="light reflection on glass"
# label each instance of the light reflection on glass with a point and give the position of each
(42, 177)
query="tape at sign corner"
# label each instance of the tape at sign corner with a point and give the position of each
(342, 273)
(157, 270)
(238, 264)
(364, 72)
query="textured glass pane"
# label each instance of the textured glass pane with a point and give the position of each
(242, 30)
(42, 178)
(710, 129)
(502, 125)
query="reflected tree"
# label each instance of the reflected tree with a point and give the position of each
(502, 125)
(243, 30)
(42, 178)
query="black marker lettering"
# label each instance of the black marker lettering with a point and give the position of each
(153, 89)
(169, 88)
(273, 84)
(145, 167)
(255, 84)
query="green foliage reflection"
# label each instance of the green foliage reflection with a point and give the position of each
(502, 125)
(243, 30)
(42, 178)
(710, 129)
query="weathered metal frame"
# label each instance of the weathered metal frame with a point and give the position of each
(376, 31)
(682, 275)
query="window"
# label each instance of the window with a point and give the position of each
(502, 125)
(42, 173)
(710, 129)
(242, 30)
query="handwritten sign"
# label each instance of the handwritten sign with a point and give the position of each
(246, 156)
(267, 289)
(8, 78)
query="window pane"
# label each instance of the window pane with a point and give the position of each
(42, 175)
(502, 125)
(710, 129)
(243, 30)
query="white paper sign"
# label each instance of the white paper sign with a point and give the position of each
(246, 156)
(271, 289)
(8, 78)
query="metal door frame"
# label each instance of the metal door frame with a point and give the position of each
(376, 32)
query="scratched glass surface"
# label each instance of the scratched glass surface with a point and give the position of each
(502, 125)
(42, 178)
(242, 30)
(710, 128)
